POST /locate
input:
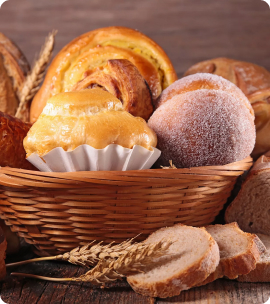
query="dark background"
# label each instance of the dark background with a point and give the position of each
(188, 30)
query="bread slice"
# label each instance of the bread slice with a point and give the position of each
(262, 271)
(3, 247)
(239, 251)
(191, 258)
(251, 208)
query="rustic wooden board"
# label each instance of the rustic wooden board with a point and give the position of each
(27, 291)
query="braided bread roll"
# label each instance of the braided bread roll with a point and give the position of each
(94, 49)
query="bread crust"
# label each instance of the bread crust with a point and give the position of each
(13, 69)
(242, 263)
(118, 38)
(185, 279)
(12, 133)
(122, 79)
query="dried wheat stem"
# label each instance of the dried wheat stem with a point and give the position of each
(33, 276)
(132, 261)
(87, 255)
(35, 77)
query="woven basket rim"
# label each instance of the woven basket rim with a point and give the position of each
(12, 177)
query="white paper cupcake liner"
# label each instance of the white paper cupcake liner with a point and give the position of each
(87, 158)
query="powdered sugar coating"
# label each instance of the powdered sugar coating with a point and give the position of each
(203, 127)
(202, 81)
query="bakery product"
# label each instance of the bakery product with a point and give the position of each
(122, 79)
(260, 102)
(94, 49)
(13, 241)
(13, 69)
(3, 247)
(250, 209)
(93, 117)
(203, 120)
(190, 259)
(247, 76)
(254, 81)
(239, 251)
(12, 133)
(262, 271)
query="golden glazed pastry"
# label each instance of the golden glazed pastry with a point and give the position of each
(122, 79)
(254, 81)
(13, 69)
(94, 49)
(93, 117)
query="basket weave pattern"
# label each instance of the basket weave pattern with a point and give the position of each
(59, 211)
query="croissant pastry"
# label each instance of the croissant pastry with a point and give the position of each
(13, 69)
(93, 50)
(122, 79)
(12, 133)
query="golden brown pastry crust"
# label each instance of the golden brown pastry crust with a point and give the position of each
(94, 49)
(247, 76)
(122, 79)
(13, 69)
(93, 117)
(12, 133)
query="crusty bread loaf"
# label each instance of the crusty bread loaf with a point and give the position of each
(13, 69)
(262, 271)
(94, 49)
(93, 117)
(247, 76)
(192, 257)
(250, 209)
(12, 134)
(239, 251)
(3, 247)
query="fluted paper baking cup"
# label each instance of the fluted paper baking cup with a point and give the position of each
(87, 158)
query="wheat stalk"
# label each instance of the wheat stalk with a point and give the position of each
(134, 260)
(87, 255)
(34, 78)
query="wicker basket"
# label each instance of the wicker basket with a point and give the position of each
(59, 211)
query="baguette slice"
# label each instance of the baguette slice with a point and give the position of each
(251, 208)
(262, 271)
(3, 247)
(239, 251)
(191, 258)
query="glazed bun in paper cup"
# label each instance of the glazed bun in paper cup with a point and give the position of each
(88, 131)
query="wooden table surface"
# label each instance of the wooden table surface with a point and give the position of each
(189, 31)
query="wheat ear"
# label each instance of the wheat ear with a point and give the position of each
(34, 78)
(87, 255)
(133, 261)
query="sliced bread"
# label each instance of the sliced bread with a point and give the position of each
(3, 247)
(239, 251)
(251, 208)
(191, 258)
(262, 271)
